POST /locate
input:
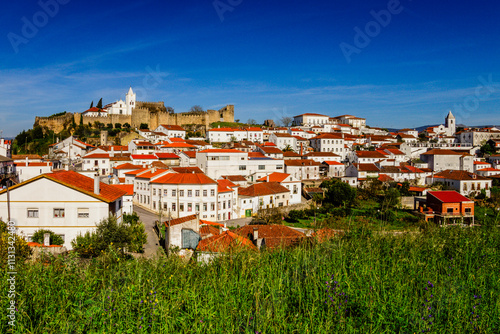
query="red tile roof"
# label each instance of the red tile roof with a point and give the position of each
(324, 234)
(369, 154)
(178, 145)
(33, 164)
(128, 166)
(274, 177)
(225, 186)
(256, 155)
(178, 221)
(273, 235)
(190, 154)
(187, 169)
(271, 150)
(137, 171)
(167, 156)
(96, 156)
(151, 173)
(367, 167)
(460, 175)
(333, 163)
(225, 242)
(448, 196)
(263, 189)
(144, 157)
(173, 127)
(439, 151)
(208, 230)
(184, 178)
(129, 188)
(235, 178)
(79, 183)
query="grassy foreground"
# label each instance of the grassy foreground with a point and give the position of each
(443, 281)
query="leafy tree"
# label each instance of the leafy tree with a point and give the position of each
(286, 121)
(196, 108)
(55, 239)
(487, 149)
(143, 126)
(111, 234)
(23, 251)
(405, 189)
(338, 193)
(118, 125)
(170, 110)
(288, 148)
(109, 126)
(99, 104)
(251, 121)
(422, 137)
(126, 126)
(81, 120)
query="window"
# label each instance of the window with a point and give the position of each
(181, 193)
(190, 193)
(197, 193)
(154, 192)
(58, 213)
(197, 207)
(165, 192)
(174, 193)
(449, 210)
(204, 193)
(204, 206)
(32, 213)
(279, 167)
(181, 207)
(243, 167)
(212, 192)
(468, 210)
(190, 207)
(83, 213)
(261, 167)
(173, 207)
(212, 206)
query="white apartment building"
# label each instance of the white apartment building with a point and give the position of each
(72, 204)
(29, 170)
(171, 131)
(329, 142)
(5, 148)
(283, 140)
(310, 119)
(303, 169)
(183, 194)
(288, 181)
(262, 195)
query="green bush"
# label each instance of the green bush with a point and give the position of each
(129, 234)
(22, 250)
(54, 238)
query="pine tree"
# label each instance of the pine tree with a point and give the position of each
(99, 104)
(91, 105)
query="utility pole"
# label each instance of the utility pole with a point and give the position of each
(8, 203)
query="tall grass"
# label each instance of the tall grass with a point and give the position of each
(384, 283)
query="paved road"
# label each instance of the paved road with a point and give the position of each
(148, 218)
(237, 222)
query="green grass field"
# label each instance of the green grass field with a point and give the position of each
(358, 284)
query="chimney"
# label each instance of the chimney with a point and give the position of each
(46, 239)
(112, 154)
(27, 161)
(97, 185)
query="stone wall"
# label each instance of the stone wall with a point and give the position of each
(151, 113)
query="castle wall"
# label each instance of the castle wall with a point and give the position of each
(151, 113)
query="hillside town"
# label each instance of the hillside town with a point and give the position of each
(234, 173)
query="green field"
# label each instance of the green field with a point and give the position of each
(385, 284)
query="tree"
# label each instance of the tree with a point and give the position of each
(109, 126)
(196, 108)
(23, 251)
(170, 110)
(286, 121)
(251, 121)
(126, 126)
(422, 137)
(338, 193)
(54, 239)
(99, 104)
(118, 125)
(390, 200)
(487, 149)
(91, 105)
(143, 126)
(109, 233)
(288, 148)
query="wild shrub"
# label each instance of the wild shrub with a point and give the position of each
(55, 239)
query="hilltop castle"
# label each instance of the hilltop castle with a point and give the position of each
(136, 112)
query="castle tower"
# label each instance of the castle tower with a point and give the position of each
(450, 124)
(130, 101)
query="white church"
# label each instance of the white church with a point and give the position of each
(447, 130)
(116, 108)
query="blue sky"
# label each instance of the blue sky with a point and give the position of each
(268, 58)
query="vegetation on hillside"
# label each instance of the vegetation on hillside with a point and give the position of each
(232, 125)
(441, 281)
